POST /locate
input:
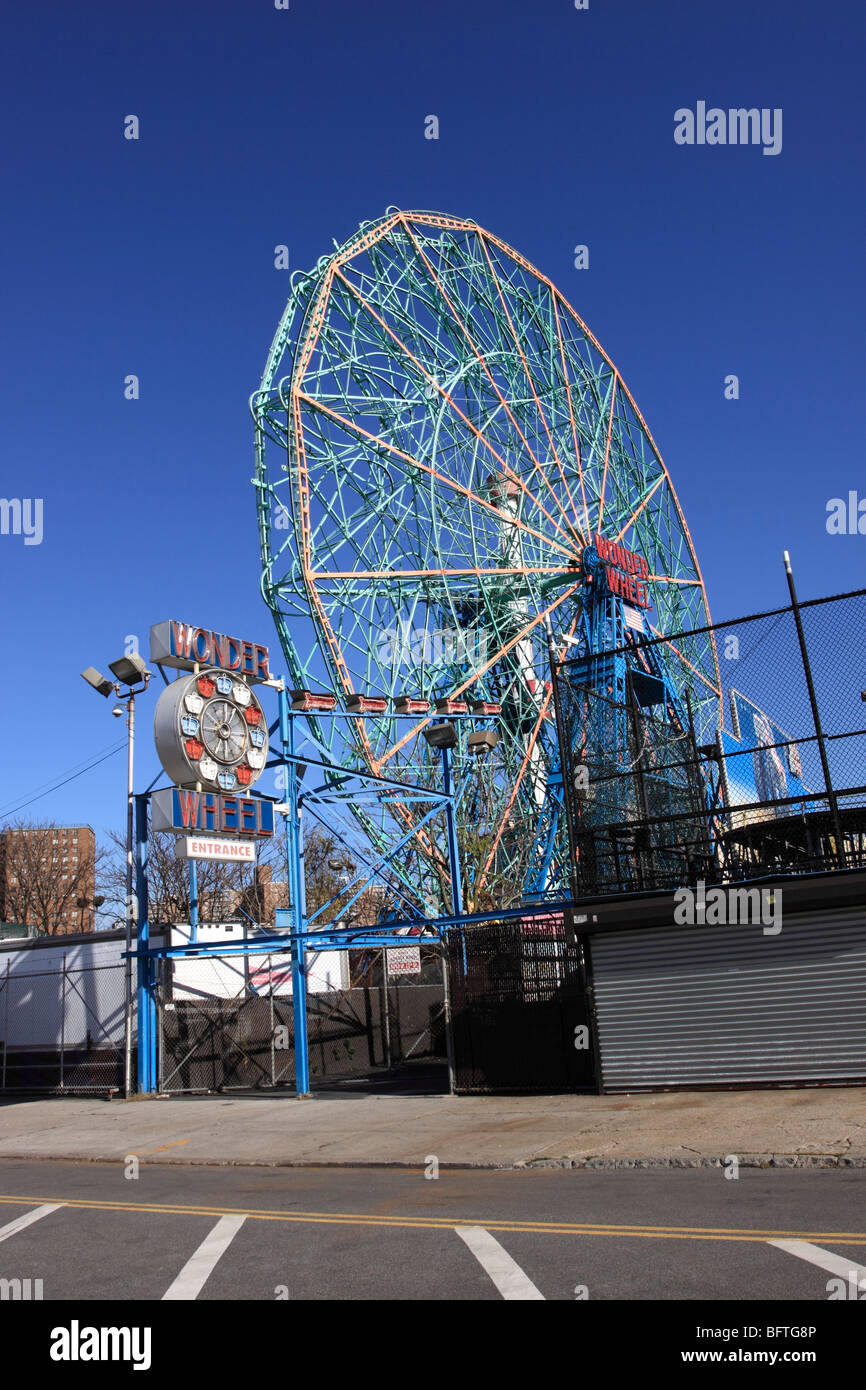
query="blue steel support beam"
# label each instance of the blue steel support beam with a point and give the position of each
(146, 1004)
(193, 900)
(373, 934)
(296, 889)
(453, 849)
(372, 868)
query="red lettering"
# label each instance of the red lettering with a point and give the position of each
(219, 644)
(181, 639)
(189, 805)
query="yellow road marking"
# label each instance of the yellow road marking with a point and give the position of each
(440, 1223)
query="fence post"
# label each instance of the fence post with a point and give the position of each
(6, 1026)
(271, 1002)
(816, 718)
(63, 1024)
(386, 1015)
(446, 1002)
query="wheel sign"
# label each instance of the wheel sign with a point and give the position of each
(210, 730)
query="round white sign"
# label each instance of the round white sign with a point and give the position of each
(209, 728)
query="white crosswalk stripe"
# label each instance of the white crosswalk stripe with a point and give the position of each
(197, 1270)
(506, 1274)
(21, 1222)
(824, 1259)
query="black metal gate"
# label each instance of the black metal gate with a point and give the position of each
(247, 1042)
(518, 1006)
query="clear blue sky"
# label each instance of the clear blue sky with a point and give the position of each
(261, 126)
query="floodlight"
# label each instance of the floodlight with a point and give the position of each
(484, 741)
(441, 735)
(99, 682)
(128, 669)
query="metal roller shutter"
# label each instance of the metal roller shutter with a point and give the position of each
(697, 1006)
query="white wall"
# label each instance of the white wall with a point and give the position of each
(224, 977)
(32, 992)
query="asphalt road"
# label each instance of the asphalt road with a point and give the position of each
(209, 1233)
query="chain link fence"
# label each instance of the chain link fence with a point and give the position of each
(62, 1030)
(725, 752)
(370, 1029)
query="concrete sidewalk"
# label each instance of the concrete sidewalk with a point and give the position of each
(810, 1127)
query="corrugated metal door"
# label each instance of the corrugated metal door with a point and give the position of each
(705, 1005)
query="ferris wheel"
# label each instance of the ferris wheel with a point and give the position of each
(440, 440)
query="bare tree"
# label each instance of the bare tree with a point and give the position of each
(38, 888)
(232, 890)
(224, 890)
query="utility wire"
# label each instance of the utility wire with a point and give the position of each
(64, 782)
(109, 748)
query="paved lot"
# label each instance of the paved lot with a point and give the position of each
(828, 1124)
(325, 1234)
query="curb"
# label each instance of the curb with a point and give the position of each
(598, 1164)
(768, 1160)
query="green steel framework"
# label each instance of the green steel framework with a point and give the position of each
(439, 437)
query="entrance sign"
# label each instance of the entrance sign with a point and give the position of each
(227, 851)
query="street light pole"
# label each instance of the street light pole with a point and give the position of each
(130, 897)
(127, 670)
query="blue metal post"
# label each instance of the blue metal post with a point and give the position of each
(193, 900)
(145, 1001)
(453, 851)
(453, 848)
(296, 889)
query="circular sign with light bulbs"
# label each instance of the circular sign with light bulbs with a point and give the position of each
(210, 729)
